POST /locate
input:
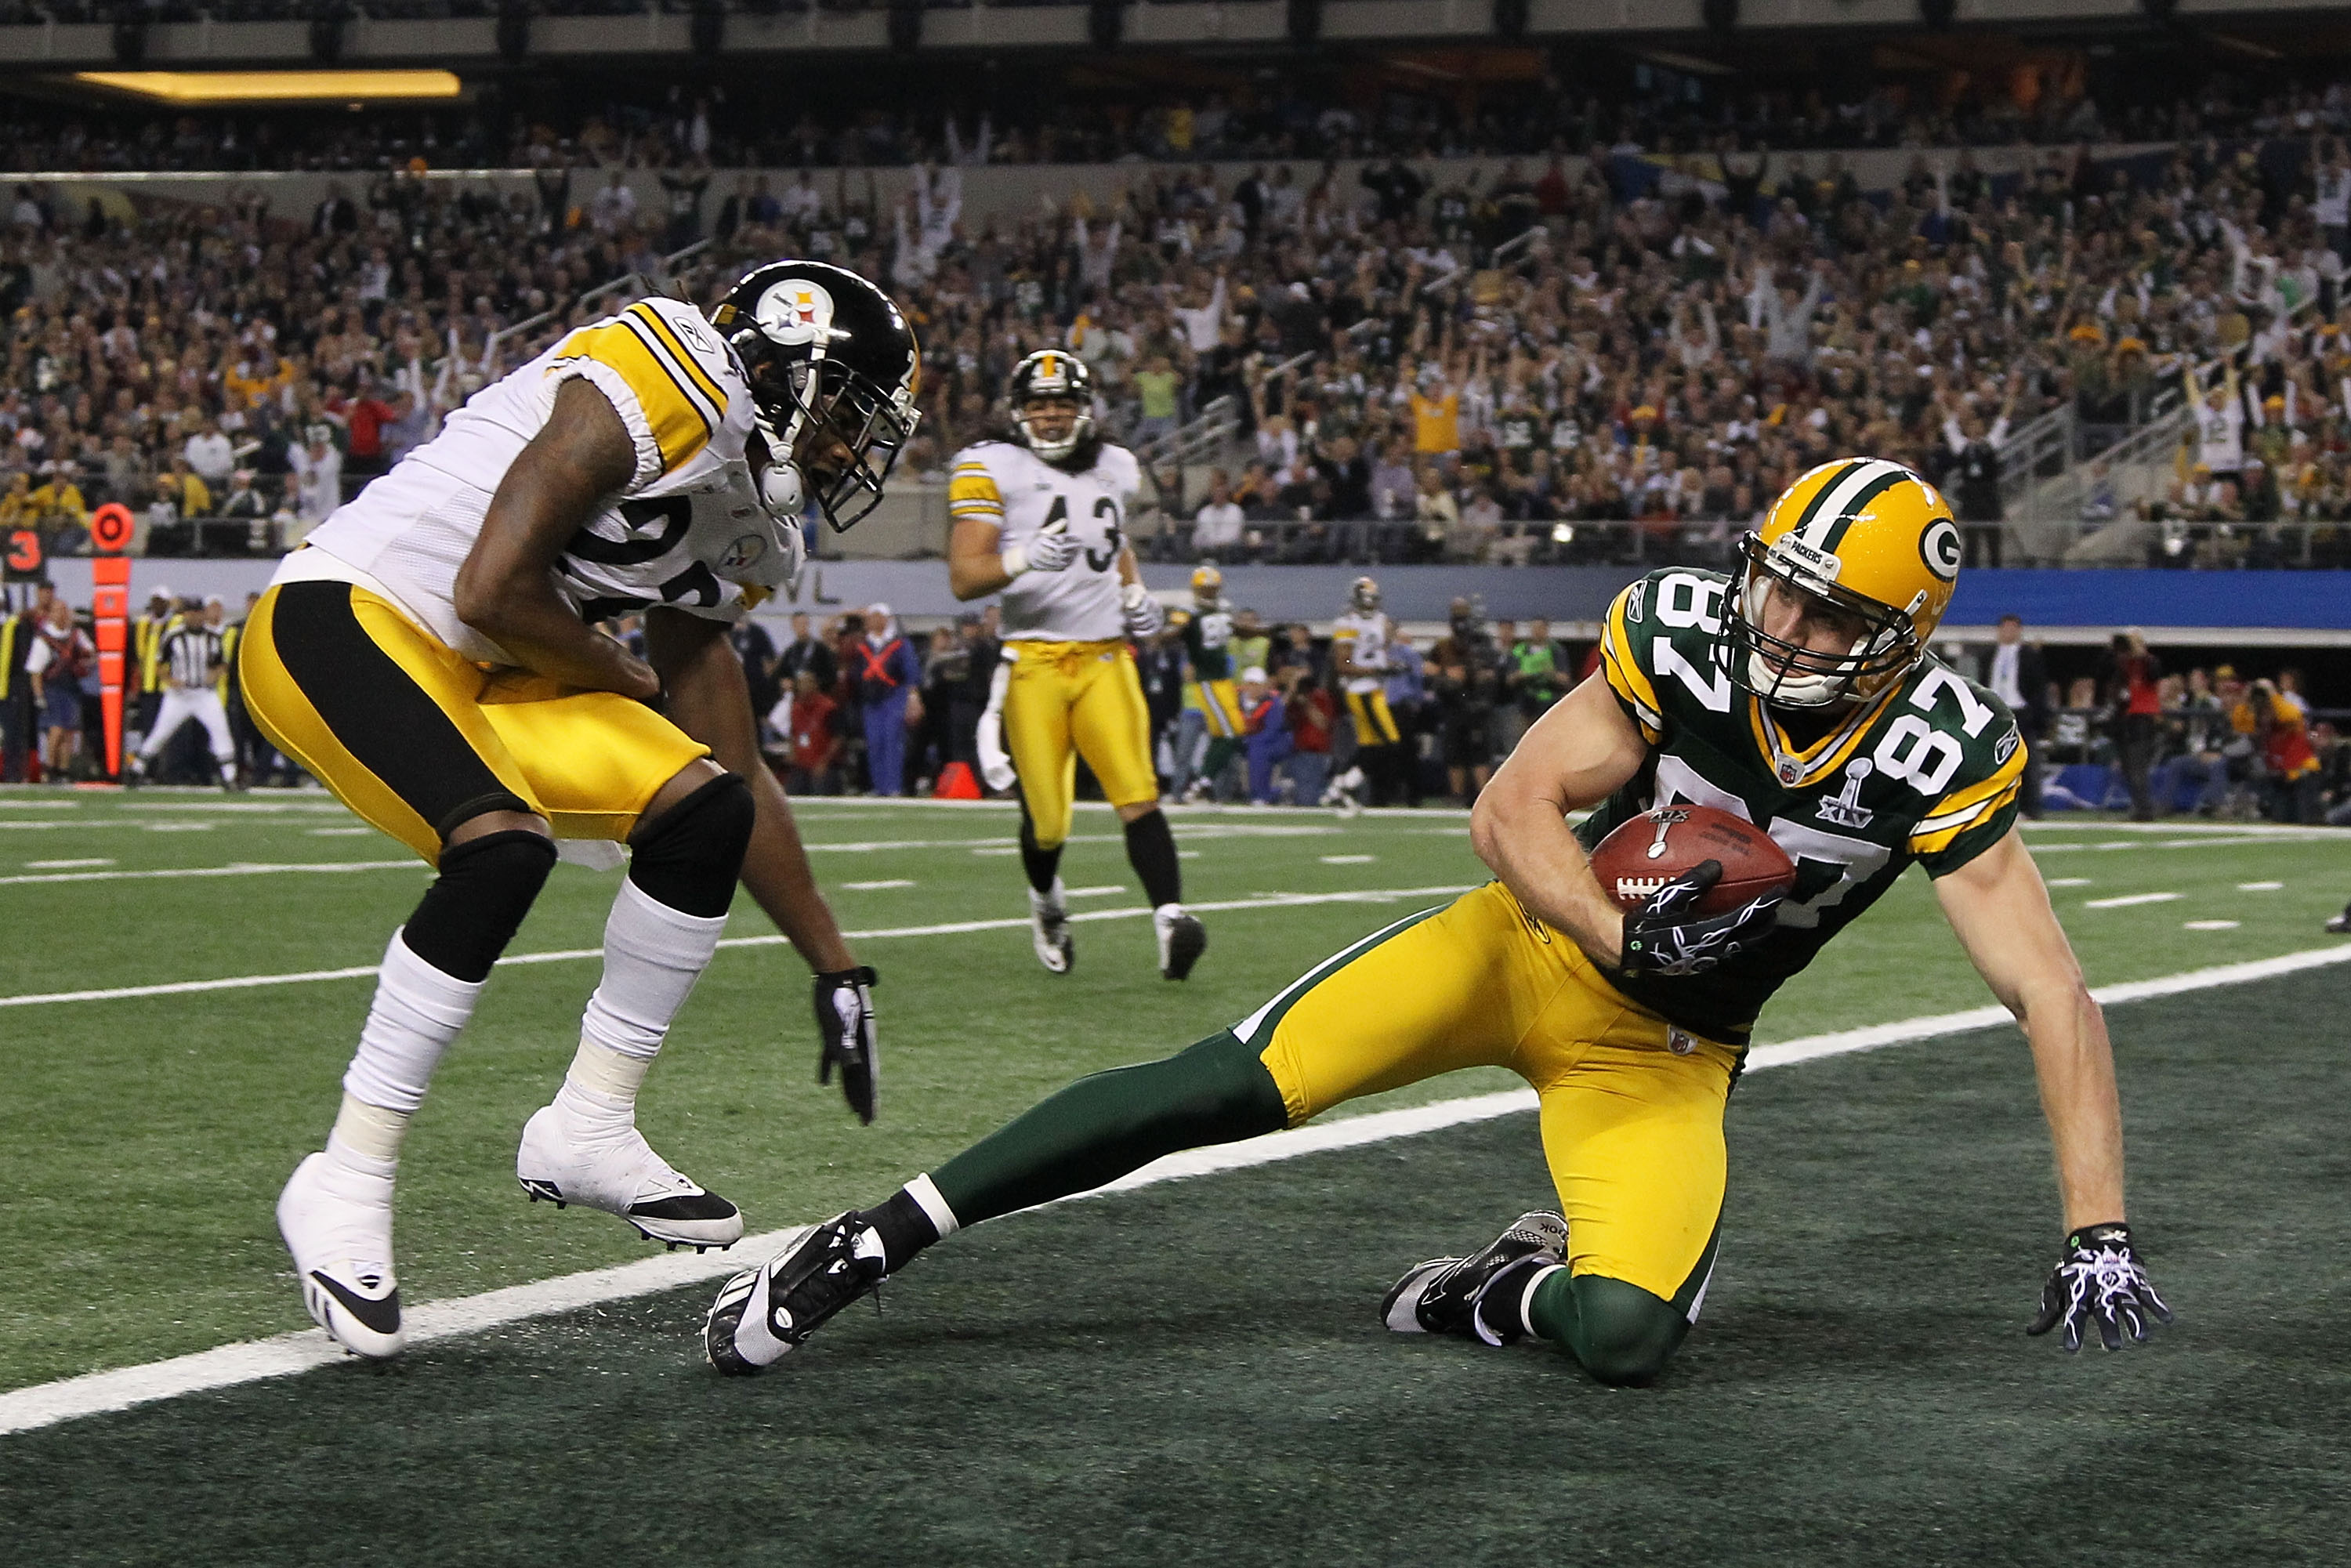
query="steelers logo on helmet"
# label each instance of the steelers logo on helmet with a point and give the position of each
(834, 370)
(796, 310)
(1363, 594)
(1054, 376)
(1876, 545)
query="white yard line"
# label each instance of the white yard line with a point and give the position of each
(253, 1361)
(68, 865)
(572, 954)
(236, 868)
(876, 886)
(2210, 925)
(2126, 900)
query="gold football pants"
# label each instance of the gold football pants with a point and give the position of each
(1068, 700)
(1374, 725)
(416, 739)
(1219, 702)
(1631, 1108)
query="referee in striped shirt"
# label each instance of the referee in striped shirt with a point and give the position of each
(191, 659)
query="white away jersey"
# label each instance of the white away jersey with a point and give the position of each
(688, 531)
(1022, 495)
(1366, 631)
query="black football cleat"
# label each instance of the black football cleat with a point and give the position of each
(1182, 940)
(765, 1314)
(1440, 1296)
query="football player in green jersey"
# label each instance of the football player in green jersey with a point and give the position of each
(1798, 694)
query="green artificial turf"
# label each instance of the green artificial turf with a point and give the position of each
(159, 1128)
(1195, 1372)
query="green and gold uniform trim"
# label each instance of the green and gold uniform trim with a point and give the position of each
(1626, 676)
(1791, 764)
(1256, 1031)
(1965, 808)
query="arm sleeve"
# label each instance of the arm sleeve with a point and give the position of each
(1636, 691)
(1975, 815)
(972, 492)
(668, 400)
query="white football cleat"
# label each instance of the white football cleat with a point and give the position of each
(1049, 929)
(1182, 940)
(621, 1174)
(1344, 792)
(339, 1232)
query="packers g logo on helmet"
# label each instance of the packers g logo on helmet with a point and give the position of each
(1207, 584)
(1869, 536)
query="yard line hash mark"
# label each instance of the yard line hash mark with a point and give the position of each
(2124, 901)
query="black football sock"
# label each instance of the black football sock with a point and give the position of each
(906, 1229)
(1620, 1333)
(1043, 866)
(1101, 1127)
(1150, 850)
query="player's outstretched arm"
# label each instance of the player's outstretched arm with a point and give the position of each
(554, 485)
(1578, 752)
(710, 699)
(2000, 909)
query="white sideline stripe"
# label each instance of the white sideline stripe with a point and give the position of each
(235, 868)
(570, 954)
(2126, 900)
(226, 1366)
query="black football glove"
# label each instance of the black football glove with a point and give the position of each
(844, 1033)
(1664, 937)
(2099, 1280)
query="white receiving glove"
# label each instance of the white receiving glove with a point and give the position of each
(1145, 615)
(1052, 550)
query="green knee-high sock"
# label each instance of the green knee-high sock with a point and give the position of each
(1620, 1333)
(1220, 753)
(1101, 1127)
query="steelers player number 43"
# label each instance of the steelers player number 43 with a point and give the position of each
(1113, 540)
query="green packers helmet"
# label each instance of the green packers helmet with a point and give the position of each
(1060, 375)
(1207, 587)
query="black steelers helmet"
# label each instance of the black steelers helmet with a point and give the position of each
(826, 350)
(1054, 374)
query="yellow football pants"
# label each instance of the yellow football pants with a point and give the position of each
(416, 739)
(1374, 725)
(1068, 700)
(1631, 1108)
(1219, 701)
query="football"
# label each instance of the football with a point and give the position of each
(1661, 844)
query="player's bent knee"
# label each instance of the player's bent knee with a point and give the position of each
(1214, 1093)
(1625, 1335)
(689, 857)
(474, 906)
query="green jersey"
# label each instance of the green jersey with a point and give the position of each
(1927, 770)
(1208, 642)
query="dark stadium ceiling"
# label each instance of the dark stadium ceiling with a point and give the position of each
(1774, 33)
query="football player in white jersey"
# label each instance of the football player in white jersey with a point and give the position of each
(432, 656)
(1360, 640)
(1041, 519)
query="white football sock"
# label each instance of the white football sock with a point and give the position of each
(933, 1205)
(652, 955)
(417, 1011)
(599, 1097)
(367, 1135)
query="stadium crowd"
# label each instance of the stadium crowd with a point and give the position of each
(1291, 113)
